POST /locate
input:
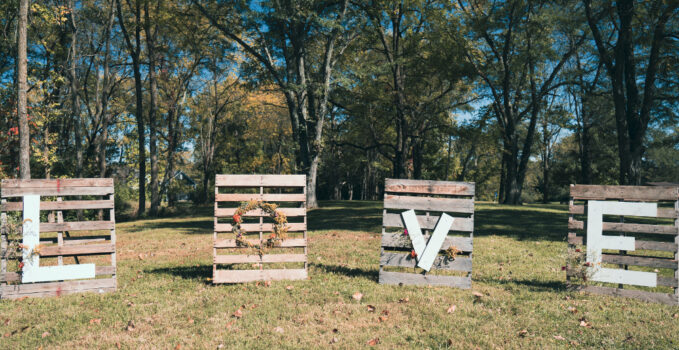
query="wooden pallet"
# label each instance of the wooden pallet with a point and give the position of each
(430, 199)
(62, 199)
(654, 239)
(264, 188)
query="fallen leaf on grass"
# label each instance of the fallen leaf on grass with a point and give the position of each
(279, 330)
(383, 318)
(141, 256)
(357, 296)
(373, 342)
(45, 334)
(675, 315)
(477, 294)
(558, 337)
(95, 321)
(179, 346)
(267, 283)
(404, 300)
(585, 323)
(230, 324)
(130, 326)
(289, 287)
(523, 333)
(238, 314)
(333, 340)
(190, 320)
(371, 308)
(572, 310)
(451, 309)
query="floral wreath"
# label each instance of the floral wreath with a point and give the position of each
(280, 227)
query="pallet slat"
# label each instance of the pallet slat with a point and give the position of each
(397, 240)
(288, 243)
(289, 212)
(428, 222)
(253, 258)
(66, 205)
(401, 278)
(13, 291)
(260, 180)
(638, 244)
(441, 262)
(451, 205)
(667, 213)
(429, 187)
(49, 183)
(265, 197)
(242, 276)
(628, 193)
(292, 227)
(625, 227)
(98, 271)
(65, 191)
(639, 261)
(84, 249)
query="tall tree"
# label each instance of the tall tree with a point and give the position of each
(22, 85)
(297, 44)
(632, 41)
(518, 62)
(135, 53)
(151, 31)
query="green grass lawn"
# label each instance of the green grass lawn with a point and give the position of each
(165, 300)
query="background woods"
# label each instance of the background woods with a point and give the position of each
(520, 97)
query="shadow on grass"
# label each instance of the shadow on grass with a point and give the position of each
(346, 215)
(530, 284)
(200, 272)
(195, 226)
(347, 271)
(524, 223)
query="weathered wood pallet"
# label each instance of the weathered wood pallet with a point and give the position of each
(265, 188)
(655, 240)
(58, 196)
(430, 199)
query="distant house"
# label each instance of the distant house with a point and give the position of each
(181, 186)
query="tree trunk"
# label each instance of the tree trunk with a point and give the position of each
(153, 103)
(135, 52)
(22, 82)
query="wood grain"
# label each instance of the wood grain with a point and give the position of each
(397, 240)
(628, 193)
(429, 187)
(668, 213)
(61, 191)
(265, 197)
(13, 291)
(292, 227)
(450, 205)
(288, 243)
(254, 258)
(289, 212)
(402, 278)
(441, 262)
(242, 276)
(625, 227)
(428, 222)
